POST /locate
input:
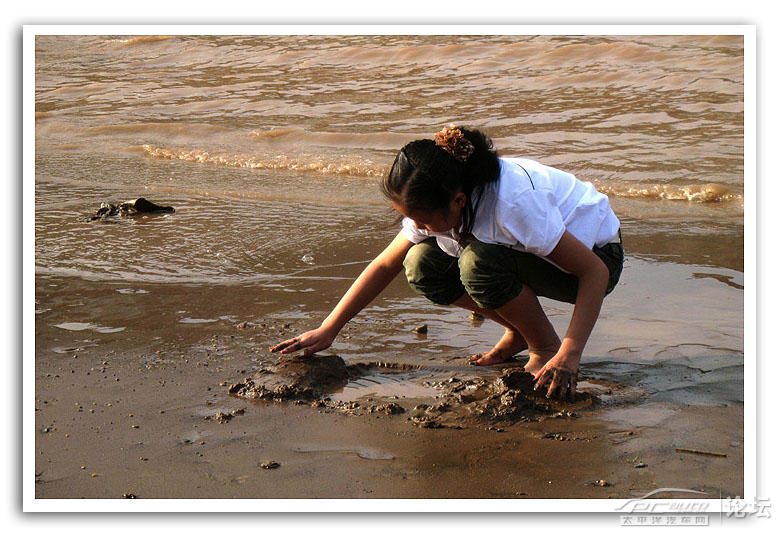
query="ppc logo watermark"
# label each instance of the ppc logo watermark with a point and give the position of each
(686, 512)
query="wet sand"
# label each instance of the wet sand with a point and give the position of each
(131, 380)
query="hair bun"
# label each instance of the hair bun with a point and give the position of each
(451, 139)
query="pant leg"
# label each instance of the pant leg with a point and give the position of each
(495, 274)
(613, 255)
(433, 273)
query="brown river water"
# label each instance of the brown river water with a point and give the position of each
(271, 147)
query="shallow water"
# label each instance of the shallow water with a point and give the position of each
(268, 146)
(270, 149)
(384, 385)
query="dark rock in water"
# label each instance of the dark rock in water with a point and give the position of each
(421, 329)
(295, 377)
(129, 209)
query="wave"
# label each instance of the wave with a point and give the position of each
(141, 39)
(699, 193)
(352, 168)
(702, 193)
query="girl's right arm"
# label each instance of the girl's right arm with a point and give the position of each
(375, 278)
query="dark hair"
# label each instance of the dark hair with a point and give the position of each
(426, 177)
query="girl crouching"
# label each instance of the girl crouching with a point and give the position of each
(490, 235)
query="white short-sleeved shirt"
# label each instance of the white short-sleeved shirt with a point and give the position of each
(528, 208)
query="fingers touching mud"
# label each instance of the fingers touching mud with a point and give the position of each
(310, 342)
(288, 346)
(562, 383)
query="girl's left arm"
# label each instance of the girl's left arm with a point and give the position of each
(573, 256)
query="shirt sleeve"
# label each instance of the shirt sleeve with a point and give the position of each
(411, 232)
(533, 220)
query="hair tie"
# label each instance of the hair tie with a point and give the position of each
(451, 139)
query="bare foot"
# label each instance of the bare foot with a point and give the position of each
(510, 344)
(538, 357)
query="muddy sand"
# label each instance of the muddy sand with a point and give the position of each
(165, 391)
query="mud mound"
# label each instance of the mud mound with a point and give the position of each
(295, 378)
(506, 399)
(502, 400)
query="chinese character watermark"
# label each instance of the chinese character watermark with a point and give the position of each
(740, 508)
(653, 510)
(664, 520)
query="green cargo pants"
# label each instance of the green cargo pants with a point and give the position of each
(494, 274)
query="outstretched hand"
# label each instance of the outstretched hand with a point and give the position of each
(560, 377)
(310, 342)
